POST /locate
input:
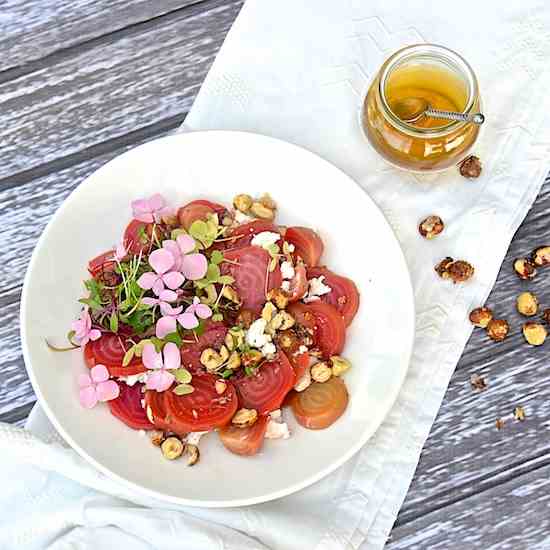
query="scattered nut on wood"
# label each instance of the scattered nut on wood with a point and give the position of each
(458, 271)
(527, 304)
(519, 414)
(500, 423)
(431, 227)
(525, 269)
(172, 448)
(481, 317)
(541, 256)
(546, 315)
(498, 329)
(470, 167)
(534, 333)
(478, 382)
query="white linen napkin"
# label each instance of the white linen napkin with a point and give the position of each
(298, 70)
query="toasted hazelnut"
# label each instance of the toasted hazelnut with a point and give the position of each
(534, 333)
(268, 311)
(431, 227)
(220, 386)
(339, 365)
(527, 304)
(156, 437)
(303, 382)
(231, 294)
(498, 329)
(211, 359)
(245, 318)
(245, 417)
(481, 316)
(321, 372)
(441, 267)
(261, 211)
(251, 358)
(234, 361)
(470, 167)
(282, 321)
(525, 269)
(460, 271)
(287, 339)
(193, 454)
(546, 315)
(242, 202)
(519, 413)
(279, 297)
(234, 338)
(172, 448)
(268, 201)
(541, 256)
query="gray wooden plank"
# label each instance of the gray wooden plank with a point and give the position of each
(108, 91)
(33, 29)
(514, 515)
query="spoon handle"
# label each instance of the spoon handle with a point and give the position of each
(476, 118)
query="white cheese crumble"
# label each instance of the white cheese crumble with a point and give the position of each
(132, 379)
(269, 349)
(193, 438)
(285, 285)
(256, 336)
(287, 270)
(303, 382)
(291, 248)
(241, 217)
(316, 288)
(276, 428)
(302, 349)
(265, 239)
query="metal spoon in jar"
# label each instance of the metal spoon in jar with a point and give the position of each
(412, 109)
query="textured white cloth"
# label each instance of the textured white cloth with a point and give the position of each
(297, 70)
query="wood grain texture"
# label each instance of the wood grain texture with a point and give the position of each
(108, 91)
(33, 30)
(512, 516)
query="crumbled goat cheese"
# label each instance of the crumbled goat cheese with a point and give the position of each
(132, 379)
(193, 438)
(285, 285)
(316, 288)
(287, 270)
(276, 414)
(269, 349)
(302, 349)
(303, 382)
(291, 247)
(276, 428)
(256, 336)
(265, 239)
(241, 217)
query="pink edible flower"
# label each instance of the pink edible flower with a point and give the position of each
(150, 210)
(165, 296)
(193, 266)
(173, 315)
(162, 262)
(83, 331)
(120, 252)
(170, 359)
(97, 387)
(189, 320)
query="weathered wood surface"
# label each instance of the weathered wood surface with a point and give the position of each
(137, 73)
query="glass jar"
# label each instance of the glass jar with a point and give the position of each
(447, 82)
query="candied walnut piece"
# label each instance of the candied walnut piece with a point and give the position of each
(519, 413)
(498, 329)
(525, 269)
(541, 256)
(245, 318)
(470, 167)
(478, 382)
(499, 423)
(527, 304)
(534, 333)
(460, 271)
(481, 317)
(441, 267)
(431, 227)
(546, 315)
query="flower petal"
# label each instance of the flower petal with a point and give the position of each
(186, 243)
(203, 311)
(158, 287)
(84, 380)
(194, 266)
(156, 202)
(173, 249)
(161, 380)
(150, 357)
(150, 301)
(165, 325)
(79, 328)
(147, 280)
(188, 320)
(172, 357)
(145, 217)
(99, 373)
(120, 252)
(141, 206)
(94, 334)
(161, 260)
(88, 397)
(173, 280)
(170, 311)
(107, 391)
(168, 296)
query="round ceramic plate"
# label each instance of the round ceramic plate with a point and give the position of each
(359, 243)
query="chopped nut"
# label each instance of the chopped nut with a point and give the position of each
(211, 295)
(224, 354)
(546, 315)
(220, 386)
(321, 372)
(227, 221)
(268, 311)
(534, 333)
(251, 358)
(193, 454)
(261, 211)
(279, 296)
(172, 448)
(245, 417)
(211, 359)
(267, 201)
(242, 202)
(527, 304)
(460, 271)
(481, 316)
(478, 382)
(339, 365)
(441, 267)
(470, 167)
(303, 382)
(234, 338)
(525, 269)
(498, 329)
(282, 321)
(541, 256)
(519, 414)
(287, 340)
(245, 318)
(499, 423)
(234, 361)
(231, 294)
(431, 227)
(156, 437)
(149, 413)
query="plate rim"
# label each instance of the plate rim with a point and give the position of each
(162, 497)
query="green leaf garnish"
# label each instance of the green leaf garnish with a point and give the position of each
(113, 322)
(227, 373)
(216, 257)
(183, 389)
(175, 338)
(128, 356)
(217, 317)
(226, 280)
(182, 375)
(249, 371)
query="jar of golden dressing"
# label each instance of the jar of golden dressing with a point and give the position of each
(446, 82)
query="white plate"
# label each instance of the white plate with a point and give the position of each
(216, 165)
